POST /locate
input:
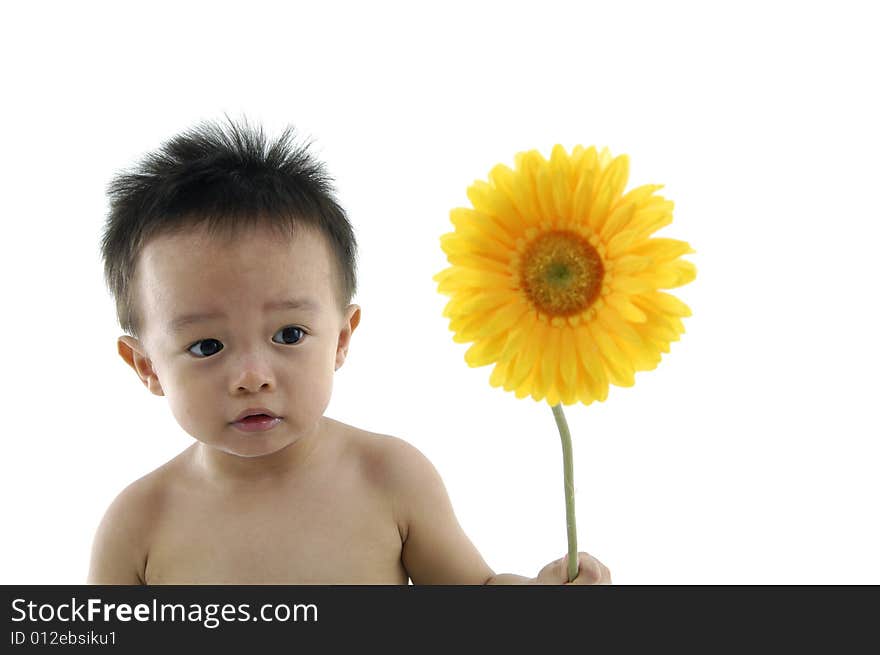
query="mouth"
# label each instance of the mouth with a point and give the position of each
(255, 412)
(257, 422)
(255, 417)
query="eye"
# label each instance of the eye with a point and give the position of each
(289, 335)
(205, 348)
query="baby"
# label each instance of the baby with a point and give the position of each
(233, 267)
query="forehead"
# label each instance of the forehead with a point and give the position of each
(177, 272)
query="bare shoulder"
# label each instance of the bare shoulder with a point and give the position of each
(435, 548)
(121, 542)
(401, 470)
(388, 460)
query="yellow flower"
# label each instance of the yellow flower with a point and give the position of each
(556, 280)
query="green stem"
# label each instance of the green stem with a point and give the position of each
(568, 466)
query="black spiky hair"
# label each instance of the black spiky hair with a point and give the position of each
(226, 180)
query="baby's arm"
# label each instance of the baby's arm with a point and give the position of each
(119, 547)
(435, 548)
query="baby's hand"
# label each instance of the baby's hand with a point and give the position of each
(590, 571)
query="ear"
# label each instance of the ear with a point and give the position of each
(134, 354)
(352, 320)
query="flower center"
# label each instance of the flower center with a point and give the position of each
(561, 273)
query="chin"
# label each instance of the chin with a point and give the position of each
(256, 447)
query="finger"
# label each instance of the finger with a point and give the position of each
(606, 575)
(593, 568)
(555, 572)
(590, 570)
(602, 571)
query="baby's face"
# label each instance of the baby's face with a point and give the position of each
(244, 352)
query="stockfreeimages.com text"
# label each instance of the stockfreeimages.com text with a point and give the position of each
(210, 615)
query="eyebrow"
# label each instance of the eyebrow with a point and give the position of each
(181, 322)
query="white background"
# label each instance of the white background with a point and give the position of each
(748, 456)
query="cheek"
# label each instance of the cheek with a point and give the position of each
(188, 396)
(309, 385)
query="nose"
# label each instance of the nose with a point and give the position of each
(253, 374)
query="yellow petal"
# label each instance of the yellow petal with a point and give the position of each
(590, 161)
(517, 338)
(676, 273)
(485, 351)
(629, 285)
(464, 278)
(651, 217)
(621, 242)
(480, 263)
(621, 304)
(618, 221)
(644, 355)
(455, 301)
(583, 196)
(501, 319)
(525, 389)
(602, 198)
(666, 303)
(544, 192)
(527, 166)
(561, 175)
(527, 357)
(590, 359)
(610, 321)
(662, 249)
(629, 264)
(610, 188)
(531, 161)
(482, 301)
(480, 227)
(499, 375)
(568, 395)
(640, 195)
(659, 326)
(540, 383)
(550, 356)
(533, 386)
(502, 177)
(493, 254)
(585, 397)
(497, 207)
(440, 276)
(567, 389)
(568, 357)
(560, 162)
(464, 326)
(518, 189)
(618, 366)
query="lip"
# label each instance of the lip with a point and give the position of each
(261, 424)
(255, 410)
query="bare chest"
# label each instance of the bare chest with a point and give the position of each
(333, 533)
